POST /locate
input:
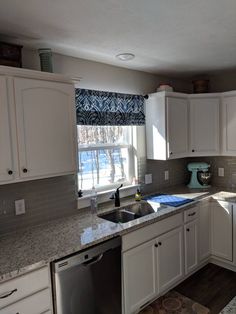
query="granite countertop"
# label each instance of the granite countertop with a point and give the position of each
(28, 249)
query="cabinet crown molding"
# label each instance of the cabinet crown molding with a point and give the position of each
(32, 74)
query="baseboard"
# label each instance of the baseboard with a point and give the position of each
(223, 264)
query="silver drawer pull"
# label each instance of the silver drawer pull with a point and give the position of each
(192, 214)
(7, 294)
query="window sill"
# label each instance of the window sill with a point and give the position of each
(104, 196)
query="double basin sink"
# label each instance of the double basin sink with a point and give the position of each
(128, 213)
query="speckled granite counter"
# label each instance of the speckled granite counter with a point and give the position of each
(29, 249)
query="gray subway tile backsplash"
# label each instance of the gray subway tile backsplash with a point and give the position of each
(56, 197)
(45, 199)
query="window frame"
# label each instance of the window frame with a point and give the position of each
(131, 161)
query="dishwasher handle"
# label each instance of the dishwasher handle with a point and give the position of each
(94, 260)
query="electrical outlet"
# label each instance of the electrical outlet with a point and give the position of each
(166, 173)
(148, 178)
(20, 207)
(221, 172)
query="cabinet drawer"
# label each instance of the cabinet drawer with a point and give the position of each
(20, 287)
(149, 232)
(35, 304)
(191, 214)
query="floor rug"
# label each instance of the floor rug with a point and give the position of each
(174, 303)
(230, 308)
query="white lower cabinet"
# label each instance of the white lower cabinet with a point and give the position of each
(140, 277)
(170, 258)
(27, 294)
(151, 268)
(37, 303)
(204, 228)
(191, 246)
(222, 230)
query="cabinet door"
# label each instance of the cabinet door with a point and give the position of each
(39, 302)
(204, 230)
(170, 258)
(177, 127)
(204, 126)
(191, 246)
(222, 229)
(7, 170)
(229, 126)
(139, 276)
(45, 114)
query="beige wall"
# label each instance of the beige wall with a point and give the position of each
(101, 76)
(222, 82)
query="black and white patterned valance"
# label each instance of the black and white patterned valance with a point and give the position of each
(106, 108)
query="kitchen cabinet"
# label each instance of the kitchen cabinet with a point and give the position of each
(148, 269)
(204, 230)
(229, 124)
(204, 125)
(139, 276)
(167, 126)
(37, 125)
(222, 230)
(45, 127)
(28, 294)
(6, 159)
(170, 248)
(191, 246)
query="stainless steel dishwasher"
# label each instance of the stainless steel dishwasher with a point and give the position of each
(89, 282)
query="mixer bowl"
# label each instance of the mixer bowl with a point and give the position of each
(204, 177)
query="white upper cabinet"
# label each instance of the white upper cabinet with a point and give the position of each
(37, 125)
(167, 126)
(45, 120)
(7, 170)
(229, 125)
(204, 125)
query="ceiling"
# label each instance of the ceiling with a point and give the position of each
(178, 37)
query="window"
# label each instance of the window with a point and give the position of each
(106, 156)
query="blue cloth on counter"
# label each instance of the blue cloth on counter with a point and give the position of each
(169, 200)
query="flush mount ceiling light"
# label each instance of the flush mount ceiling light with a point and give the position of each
(125, 56)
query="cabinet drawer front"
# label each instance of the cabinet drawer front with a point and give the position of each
(144, 234)
(20, 287)
(191, 214)
(35, 304)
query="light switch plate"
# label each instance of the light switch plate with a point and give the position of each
(148, 178)
(221, 172)
(20, 207)
(166, 173)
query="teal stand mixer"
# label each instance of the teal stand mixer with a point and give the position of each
(200, 176)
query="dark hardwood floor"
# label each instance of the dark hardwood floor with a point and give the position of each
(212, 286)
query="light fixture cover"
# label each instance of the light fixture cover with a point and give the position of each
(125, 56)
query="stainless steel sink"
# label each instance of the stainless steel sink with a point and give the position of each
(128, 213)
(118, 216)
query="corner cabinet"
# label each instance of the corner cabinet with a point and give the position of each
(37, 126)
(222, 230)
(204, 125)
(167, 126)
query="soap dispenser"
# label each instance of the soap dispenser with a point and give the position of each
(138, 195)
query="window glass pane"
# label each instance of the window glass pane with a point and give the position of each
(103, 167)
(103, 134)
(105, 154)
